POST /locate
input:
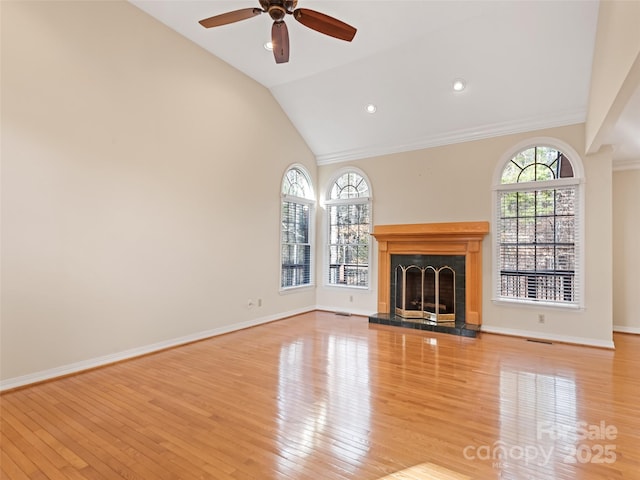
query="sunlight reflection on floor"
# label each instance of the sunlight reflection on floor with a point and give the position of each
(426, 471)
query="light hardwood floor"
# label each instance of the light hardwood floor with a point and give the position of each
(320, 396)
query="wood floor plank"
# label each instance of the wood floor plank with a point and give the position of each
(332, 397)
(9, 469)
(65, 430)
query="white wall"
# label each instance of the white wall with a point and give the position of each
(131, 165)
(615, 77)
(454, 183)
(122, 149)
(615, 73)
(626, 251)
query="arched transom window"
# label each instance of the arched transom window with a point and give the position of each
(538, 222)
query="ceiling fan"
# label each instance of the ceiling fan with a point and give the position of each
(278, 9)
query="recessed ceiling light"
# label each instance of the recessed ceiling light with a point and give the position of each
(268, 46)
(371, 108)
(459, 85)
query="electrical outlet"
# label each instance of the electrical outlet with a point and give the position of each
(351, 298)
(541, 318)
(259, 302)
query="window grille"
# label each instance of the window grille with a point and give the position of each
(296, 229)
(538, 222)
(349, 225)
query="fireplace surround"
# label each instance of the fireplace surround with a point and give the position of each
(454, 239)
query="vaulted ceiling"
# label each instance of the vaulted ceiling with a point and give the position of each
(526, 64)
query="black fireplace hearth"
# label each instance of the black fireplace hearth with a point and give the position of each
(456, 328)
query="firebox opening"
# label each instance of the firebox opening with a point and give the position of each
(428, 288)
(426, 292)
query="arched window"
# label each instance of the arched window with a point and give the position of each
(296, 229)
(349, 225)
(538, 218)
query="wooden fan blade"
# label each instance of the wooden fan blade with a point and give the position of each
(280, 41)
(230, 17)
(324, 24)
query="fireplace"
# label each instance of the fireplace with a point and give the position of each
(430, 276)
(428, 287)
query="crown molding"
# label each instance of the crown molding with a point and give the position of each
(459, 136)
(620, 165)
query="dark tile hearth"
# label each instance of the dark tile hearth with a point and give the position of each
(457, 328)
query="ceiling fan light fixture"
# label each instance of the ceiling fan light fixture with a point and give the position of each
(371, 108)
(459, 85)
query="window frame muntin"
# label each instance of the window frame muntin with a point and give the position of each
(578, 180)
(327, 236)
(312, 203)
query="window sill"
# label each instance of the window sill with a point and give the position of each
(512, 302)
(346, 287)
(296, 289)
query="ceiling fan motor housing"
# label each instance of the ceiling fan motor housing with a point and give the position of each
(290, 5)
(278, 9)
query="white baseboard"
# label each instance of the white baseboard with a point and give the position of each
(623, 329)
(77, 367)
(590, 342)
(349, 311)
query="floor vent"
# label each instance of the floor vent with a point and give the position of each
(535, 340)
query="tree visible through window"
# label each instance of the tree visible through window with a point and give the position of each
(349, 220)
(296, 221)
(537, 227)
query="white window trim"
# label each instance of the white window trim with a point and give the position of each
(312, 230)
(353, 201)
(578, 180)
